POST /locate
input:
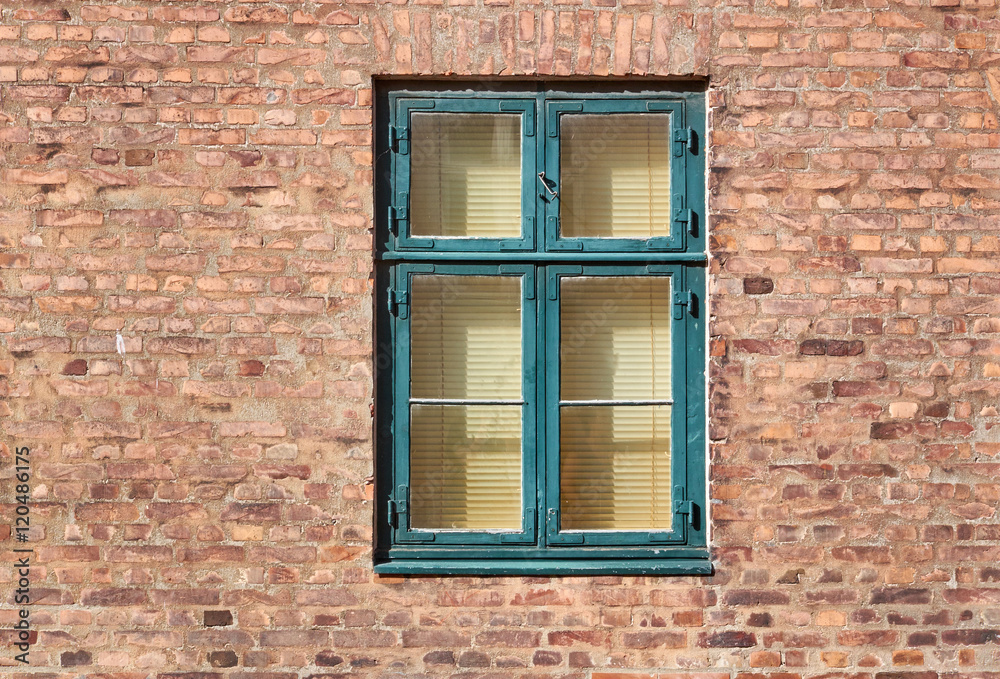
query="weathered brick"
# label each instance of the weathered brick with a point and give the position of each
(283, 638)
(194, 192)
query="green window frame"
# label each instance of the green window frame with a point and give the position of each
(543, 261)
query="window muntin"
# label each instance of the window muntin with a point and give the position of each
(592, 465)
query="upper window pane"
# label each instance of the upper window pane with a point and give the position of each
(465, 175)
(615, 176)
(615, 338)
(466, 337)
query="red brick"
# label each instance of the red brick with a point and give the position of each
(193, 171)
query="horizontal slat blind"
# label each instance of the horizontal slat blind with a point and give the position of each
(615, 467)
(615, 338)
(465, 460)
(615, 176)
(465, 467)
(465, 337)
(465, 175)
(615, 459)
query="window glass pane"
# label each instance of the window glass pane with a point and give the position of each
(615, 467)
(615, 176)
(465, 175)
(465, 337)
(465, 467)
(615, 338)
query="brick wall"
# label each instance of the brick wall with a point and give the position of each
(185, 333)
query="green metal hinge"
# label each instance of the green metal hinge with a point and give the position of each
(684, 139)
(682, 506)
(684, 216)
(399, 140)
(682, 299)
(399, 302)
(399, 510)
(685, 507)
(399, 212)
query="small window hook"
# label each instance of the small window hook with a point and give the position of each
(548, 184)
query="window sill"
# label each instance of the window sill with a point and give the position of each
(694, 562)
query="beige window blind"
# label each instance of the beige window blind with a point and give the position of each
(465, 455)
(615, 176)
(614, 403)
(465, 175)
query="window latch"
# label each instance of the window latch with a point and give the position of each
(548, 184)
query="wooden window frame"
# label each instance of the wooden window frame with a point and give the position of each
(540, 257)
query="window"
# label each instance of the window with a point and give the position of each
(540, 330)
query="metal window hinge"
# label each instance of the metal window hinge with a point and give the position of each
(684, 216)
(399, 139)
(683, 506)
(398, 507)
(398, 517)
(399, 212)
(683, 299)
(684, 138)
(399, 302)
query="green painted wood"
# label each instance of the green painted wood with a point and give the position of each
(553, 532)
(540, 257)
(622, 565)
(554, 111)
(545, 257)
(402, 531)
(402, 105)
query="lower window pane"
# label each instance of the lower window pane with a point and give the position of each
(465, 467)
(615, 467)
